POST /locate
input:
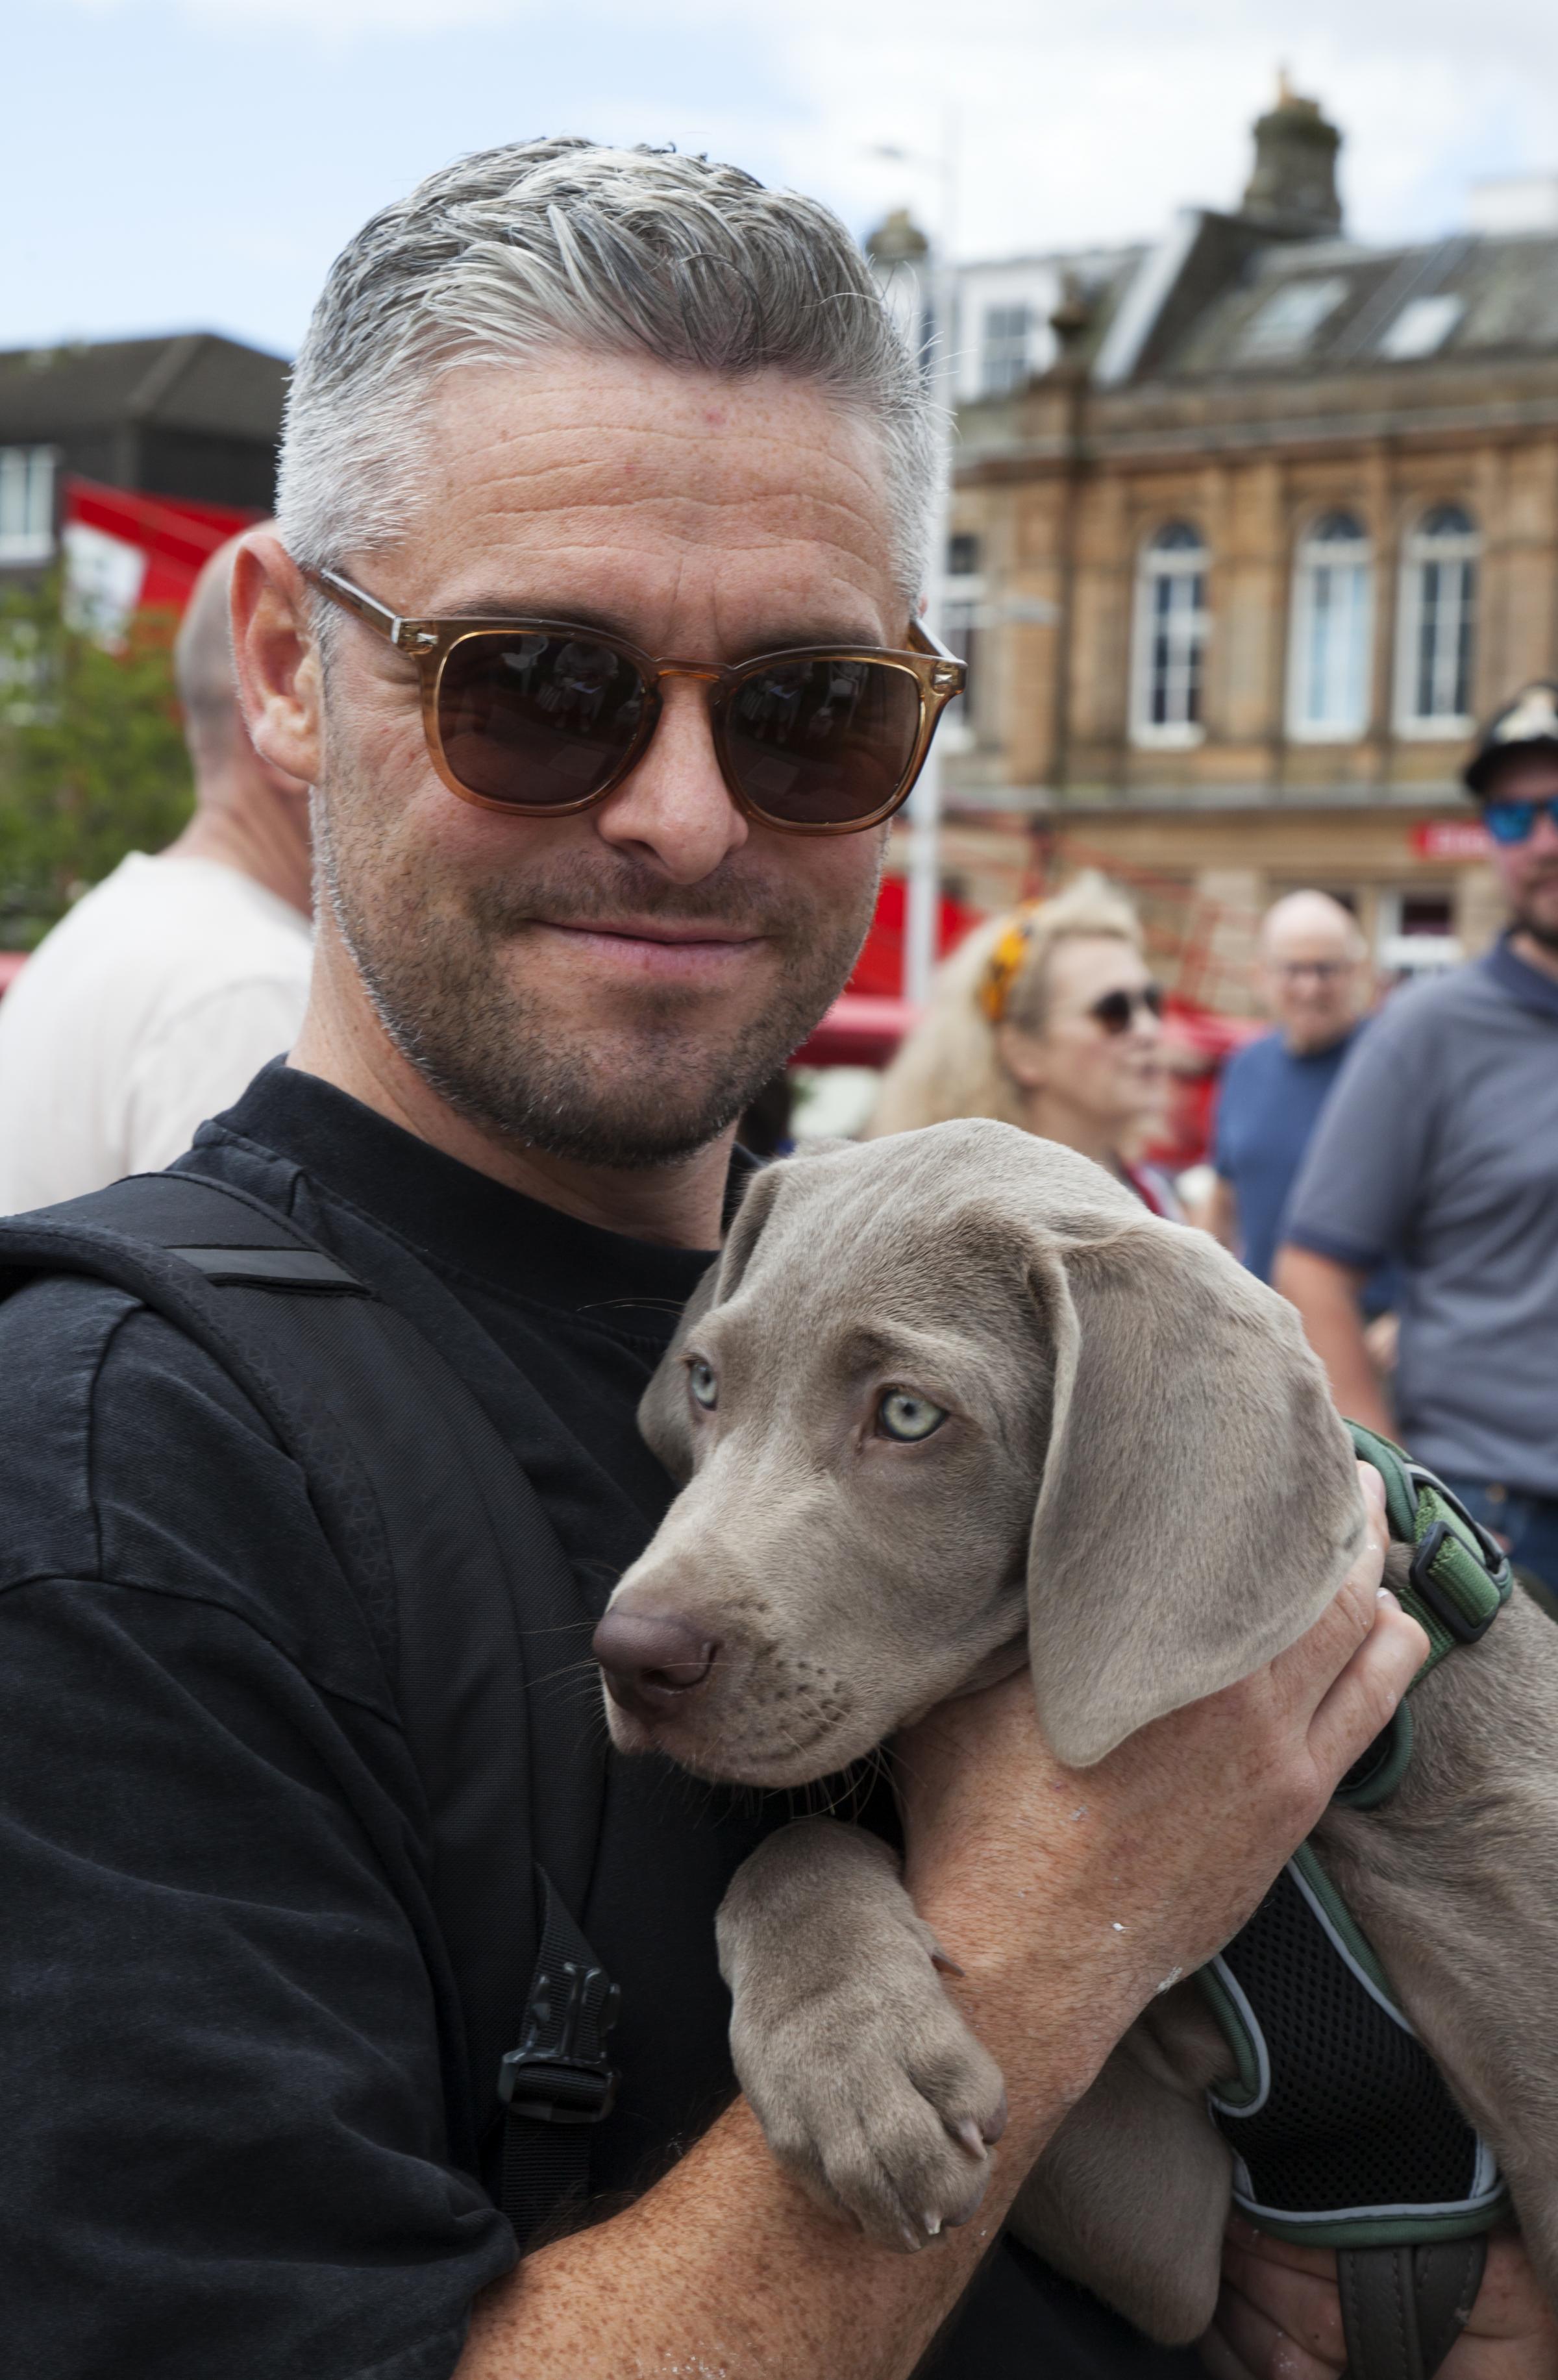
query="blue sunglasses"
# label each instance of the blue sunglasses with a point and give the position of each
(1514, 822)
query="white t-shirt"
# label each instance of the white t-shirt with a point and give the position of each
(146, 1010)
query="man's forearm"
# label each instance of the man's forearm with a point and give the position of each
(725, 2267)
(1327, 1296)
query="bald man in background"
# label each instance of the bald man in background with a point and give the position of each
(153, 1005)
(1315, 982)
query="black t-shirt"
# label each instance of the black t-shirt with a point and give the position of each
(226, 2145)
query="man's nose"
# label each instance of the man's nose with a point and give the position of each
(653, 1662)
(676, 809)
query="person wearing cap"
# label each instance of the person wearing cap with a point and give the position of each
(1439, 1148)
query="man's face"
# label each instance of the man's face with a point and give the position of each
(611, 986)
(1528, 870)
(1314, 980)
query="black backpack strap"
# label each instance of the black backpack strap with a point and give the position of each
(410, 1480)
(1403, 2308)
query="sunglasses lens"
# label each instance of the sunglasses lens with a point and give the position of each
(1114, 1011)
(1153, 1000)
(1510, 821)
(537, 722)
(822, 743)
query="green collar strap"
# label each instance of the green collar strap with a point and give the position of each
(1460, 1581)
(1460, 1578)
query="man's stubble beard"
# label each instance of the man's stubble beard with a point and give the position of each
(1542, 929)
(429, 950)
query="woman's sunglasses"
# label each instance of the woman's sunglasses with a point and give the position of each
(541, 718)
(1116, 1011)
(1509, 822)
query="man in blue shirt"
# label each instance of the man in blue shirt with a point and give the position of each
(1440, 1148)
(1315, 980)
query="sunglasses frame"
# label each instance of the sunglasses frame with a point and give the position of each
(1534, 810)
(1148, 999)
(938, 675)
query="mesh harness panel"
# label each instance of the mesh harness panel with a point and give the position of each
(1343, 2130)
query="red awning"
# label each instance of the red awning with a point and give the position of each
(172, 538)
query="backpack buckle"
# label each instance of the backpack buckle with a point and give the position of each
(559, 2074)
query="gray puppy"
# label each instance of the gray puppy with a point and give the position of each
(953, 1401)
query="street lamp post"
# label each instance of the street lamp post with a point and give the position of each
(924, 907)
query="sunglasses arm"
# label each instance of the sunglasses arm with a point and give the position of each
(925, 641)
(407, 635)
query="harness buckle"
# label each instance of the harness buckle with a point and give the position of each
(1493, 1555)
(559, 2074)
(1443, 1607)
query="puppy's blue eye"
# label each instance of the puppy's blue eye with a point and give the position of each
(902, 1415)
(701, 1381)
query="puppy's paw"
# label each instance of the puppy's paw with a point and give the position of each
(877, 2098)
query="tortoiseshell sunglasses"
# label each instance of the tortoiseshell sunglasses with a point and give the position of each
(543, 718)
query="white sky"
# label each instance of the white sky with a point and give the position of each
(176, 164)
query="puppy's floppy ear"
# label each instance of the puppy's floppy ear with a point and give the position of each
(665, 1423)
(1199, 1503)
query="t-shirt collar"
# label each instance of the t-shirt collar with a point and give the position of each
(448, 1211)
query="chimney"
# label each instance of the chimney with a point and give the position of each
(899, 240)
(1293, 188)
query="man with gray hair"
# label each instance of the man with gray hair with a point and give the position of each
(1313, 977)
(593, 620)
(168, 986)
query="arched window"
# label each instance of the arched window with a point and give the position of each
(1332, 623)
(1171, 633)
(1433, 694)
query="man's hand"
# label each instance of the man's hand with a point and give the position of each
(1160, 1852)
(1280, 2317)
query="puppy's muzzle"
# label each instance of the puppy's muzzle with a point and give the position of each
(654, 1663)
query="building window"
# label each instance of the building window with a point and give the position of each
(1333, 616)
(1287, 321)
(1438, 625)
(1171, 634)
(1421, 327)
(1003, 349)
(27, 503)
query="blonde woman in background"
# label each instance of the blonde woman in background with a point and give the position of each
(1047, 1018)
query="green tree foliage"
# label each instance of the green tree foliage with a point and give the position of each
(92, 763)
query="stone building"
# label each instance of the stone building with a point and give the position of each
(1243, 537)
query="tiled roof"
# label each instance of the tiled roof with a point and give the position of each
(193, 381)
(1334, 304)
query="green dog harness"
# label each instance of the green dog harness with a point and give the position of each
(1343, 2132)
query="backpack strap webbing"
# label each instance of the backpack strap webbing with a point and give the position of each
(410, 1480)
(1403, 2309)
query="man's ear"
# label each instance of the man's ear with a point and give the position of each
(1199, 1503)
(275, 657)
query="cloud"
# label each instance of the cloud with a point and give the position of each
(1065, 124)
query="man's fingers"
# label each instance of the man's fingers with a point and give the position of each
(1304, 2304)
(1218, 2357)
(1365, 1696)
(1312, 1665)
(1259, 2345)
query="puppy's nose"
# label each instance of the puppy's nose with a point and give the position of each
(652, 1661)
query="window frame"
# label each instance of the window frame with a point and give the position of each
(1312, 553)
(1423, 549)
(1159, 563)
(35, 541)
(1013, 344)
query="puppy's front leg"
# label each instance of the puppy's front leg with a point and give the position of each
(871, 2089)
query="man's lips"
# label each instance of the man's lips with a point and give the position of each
(657, 947)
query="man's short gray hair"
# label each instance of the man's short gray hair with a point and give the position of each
(622, 251)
